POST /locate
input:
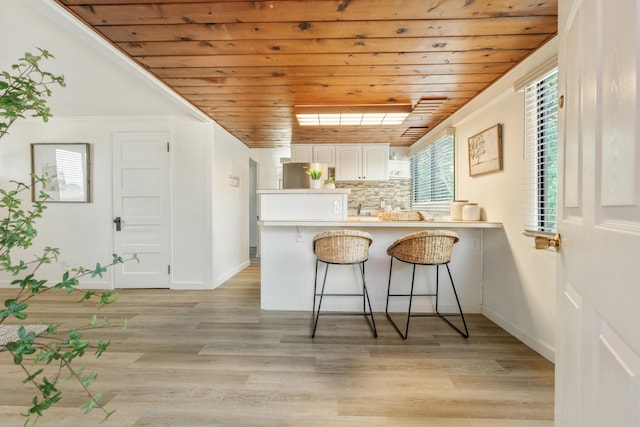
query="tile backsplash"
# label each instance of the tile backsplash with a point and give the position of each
(395, 193)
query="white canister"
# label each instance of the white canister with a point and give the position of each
(455, 209)
(471, 212)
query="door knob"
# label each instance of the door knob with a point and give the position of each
(549, 242)
(544, 240)
(118, 222)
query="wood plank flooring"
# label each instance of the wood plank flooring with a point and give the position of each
(213, 358)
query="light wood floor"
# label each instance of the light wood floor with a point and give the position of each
(212, 358)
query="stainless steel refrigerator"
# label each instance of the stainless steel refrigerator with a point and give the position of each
(294, 175)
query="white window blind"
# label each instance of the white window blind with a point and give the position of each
(541, 152)
(433, 173)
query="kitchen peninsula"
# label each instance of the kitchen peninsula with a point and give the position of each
(289, 219)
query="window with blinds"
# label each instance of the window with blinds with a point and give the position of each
(433, 177)
(541, 152)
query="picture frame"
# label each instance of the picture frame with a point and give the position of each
(234, 173)
(485, 151)
(64, 169)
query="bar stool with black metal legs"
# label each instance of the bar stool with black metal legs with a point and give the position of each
(342, 247)
(431, 247)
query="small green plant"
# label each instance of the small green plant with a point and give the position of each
(329, 181)
(314, 173)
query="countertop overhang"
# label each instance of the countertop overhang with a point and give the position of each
(372, 221)
(307, 191)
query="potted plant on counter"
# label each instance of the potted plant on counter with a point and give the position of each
(329, 183)
(315, 175)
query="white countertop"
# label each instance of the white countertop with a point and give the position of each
(307, 191)
(374, 221)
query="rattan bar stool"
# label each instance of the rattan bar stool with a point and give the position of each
(432, 247)
(342, 247)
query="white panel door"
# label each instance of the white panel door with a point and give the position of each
(598, 343)
(141, 208)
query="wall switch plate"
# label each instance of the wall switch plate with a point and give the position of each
(475, 244)
(299, 235)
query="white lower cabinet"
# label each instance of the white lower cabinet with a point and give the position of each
(362, 162)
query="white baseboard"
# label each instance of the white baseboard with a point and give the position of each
(544, 349)
(229, 274)
(189, 286)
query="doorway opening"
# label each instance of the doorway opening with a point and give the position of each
(254, 238)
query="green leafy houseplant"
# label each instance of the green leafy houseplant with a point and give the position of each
(329, 181)
(25, 89)
(42, 357)
(314, 173)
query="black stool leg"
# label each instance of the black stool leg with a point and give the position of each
(406, 330)
(437, 313)
(465, 334)
(315, 290)
(324, 281)
(365, 294)
(365, 300)
(386, 310)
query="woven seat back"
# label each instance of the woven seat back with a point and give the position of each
(424, 247)
(342, 246)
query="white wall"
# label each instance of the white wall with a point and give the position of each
(83, 232)
(268, 171)
(269, 166)
(192, 237)
(518, 281)
(106, 93)
(230, 206)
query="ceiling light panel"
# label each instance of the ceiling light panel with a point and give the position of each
(386, 115)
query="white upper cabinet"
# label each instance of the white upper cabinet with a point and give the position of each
(302, 153)
(307, 153)
(375, 162)
(325, 154)
(362, 162)
(348, 162)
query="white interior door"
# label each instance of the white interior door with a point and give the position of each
(141, 208)
(598, 341)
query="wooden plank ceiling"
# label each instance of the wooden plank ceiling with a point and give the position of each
(246, 64)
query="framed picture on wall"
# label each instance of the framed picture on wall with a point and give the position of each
(62, 172)
(234, 174)
(485, 151)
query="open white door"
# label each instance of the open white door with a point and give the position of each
(141, 208)
(598, 336)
